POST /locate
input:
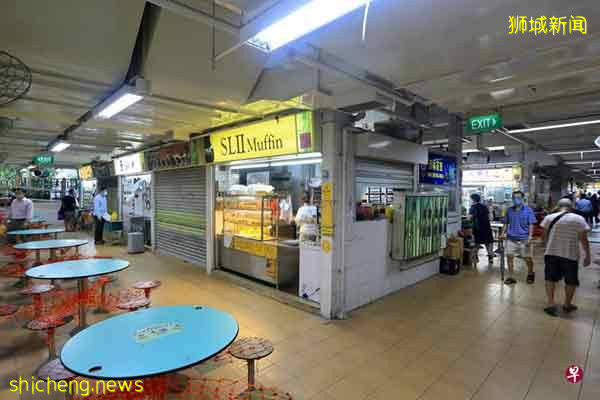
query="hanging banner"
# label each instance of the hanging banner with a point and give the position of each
(285, 135)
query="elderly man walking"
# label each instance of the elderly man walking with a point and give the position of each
(564, 231)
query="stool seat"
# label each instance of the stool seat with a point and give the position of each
(251, 348)
(146, 284)
(45, 324)
(54, 370)
(38, 289)
(133, 304)
(8, 309)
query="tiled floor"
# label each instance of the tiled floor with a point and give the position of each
(462, 337)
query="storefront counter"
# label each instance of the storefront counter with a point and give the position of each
(271, 262)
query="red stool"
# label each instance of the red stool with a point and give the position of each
(49, 325)
(103, 281)
(55, 371)
(147, 286)
(251, 349)
(36, 292)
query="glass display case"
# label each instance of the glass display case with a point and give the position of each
(251, 216)
(420, 225)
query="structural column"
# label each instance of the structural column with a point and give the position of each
(455, 136)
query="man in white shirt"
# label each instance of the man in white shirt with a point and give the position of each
(563, 232)
(100, 209)
(20, 212)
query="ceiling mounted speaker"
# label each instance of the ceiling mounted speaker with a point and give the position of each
(15, 78)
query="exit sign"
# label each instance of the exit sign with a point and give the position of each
(483, 123)
(43, 159)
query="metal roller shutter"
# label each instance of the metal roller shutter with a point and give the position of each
(180, 213)
(369, 173)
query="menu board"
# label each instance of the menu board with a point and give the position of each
(439, 170)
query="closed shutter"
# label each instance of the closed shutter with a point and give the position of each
(180, 213)
(369, 173)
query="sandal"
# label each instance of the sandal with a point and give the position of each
(510, 281)
(569, 308)
(551, 311)
(531, 278)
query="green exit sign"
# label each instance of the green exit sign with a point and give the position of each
(483, 123)
(43, 159)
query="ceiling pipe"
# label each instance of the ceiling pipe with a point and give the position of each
(184, 10)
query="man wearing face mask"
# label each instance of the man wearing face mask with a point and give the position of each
(518, 229)
(100, 209)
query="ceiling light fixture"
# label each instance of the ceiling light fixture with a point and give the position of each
(503, 78)
(466, 151)
(303, 20)
(126, 96)
(58, 145)
(556, 126)
(496, 148)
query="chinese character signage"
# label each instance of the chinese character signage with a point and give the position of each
(520, 24)
(439, 171)
(172, 156)
(131, 164)
(483, 123)
(43, 159)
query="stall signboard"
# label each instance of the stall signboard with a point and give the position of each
(175, 155)
(86, 172)
(43, 159)
(440, 170)
(483, 123)
(102, 169)
(130, 164)
(285, 135)
(497, 176)
(327, 209)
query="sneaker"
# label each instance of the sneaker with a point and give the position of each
(551, 311)
(510, 281)
(569, 308)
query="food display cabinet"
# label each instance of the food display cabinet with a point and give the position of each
(419, 226)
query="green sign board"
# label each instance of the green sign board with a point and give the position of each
(483, 123)
(43, 159)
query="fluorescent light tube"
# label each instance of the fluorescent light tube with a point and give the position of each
(294, 162)
(59, 146)
(503, 78)
(471, 151)
(558, 153)
(305, 19)
(117, 105)
(495, 148)
(557, 126)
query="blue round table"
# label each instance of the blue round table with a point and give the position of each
(51, 245)
(37, 232)
(80, 270)
(149, 342)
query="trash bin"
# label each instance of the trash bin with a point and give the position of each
(135, 242)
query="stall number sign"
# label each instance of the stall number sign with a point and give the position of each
(291, 134)
(86, 172)
(131, 164)
(43, 159)
(483, 123)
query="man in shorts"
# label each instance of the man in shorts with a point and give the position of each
(518, 230)
(563, 232)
